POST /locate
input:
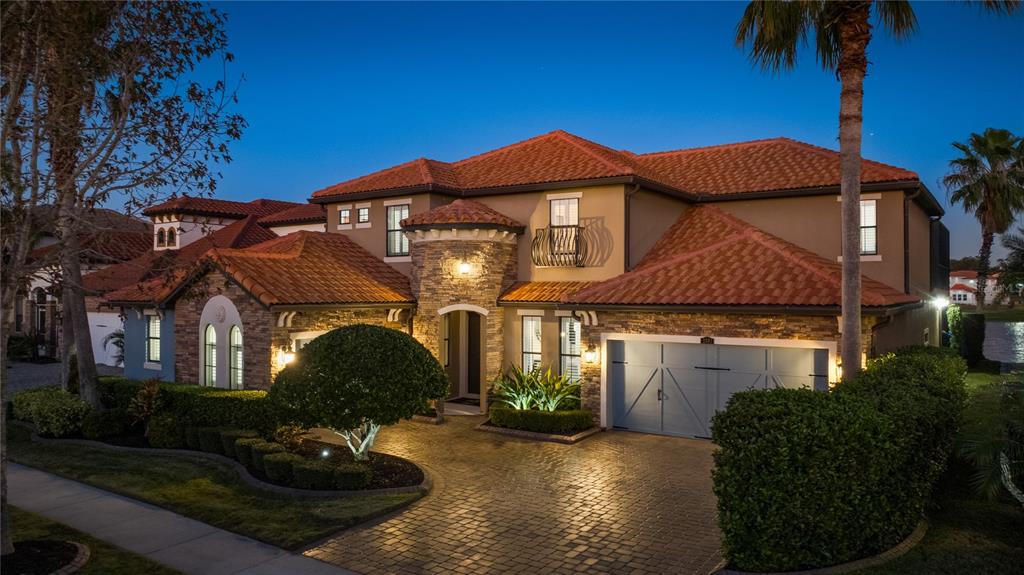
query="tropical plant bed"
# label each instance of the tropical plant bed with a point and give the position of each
(567, 439)
(389, 471)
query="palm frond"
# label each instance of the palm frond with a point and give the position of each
(897, 16)
(1000, 6)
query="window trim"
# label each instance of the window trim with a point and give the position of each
(344, 216)
(150, 337)
(522, 344)
(388, 230)
(161, 238)
(209, 356)
(551, 212)
(359, 215)
(562, 354)
(172, 238)
(874, 207)
(236, 358)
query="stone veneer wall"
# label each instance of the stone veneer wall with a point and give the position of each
(326, 320)
(256, 330)
(702, 324)
(437, 283)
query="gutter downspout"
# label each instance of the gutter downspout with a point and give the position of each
(907, 198)
(628, 224)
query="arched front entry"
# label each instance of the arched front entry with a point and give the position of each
(463, 353)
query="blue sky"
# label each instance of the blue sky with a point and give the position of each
(335, 90)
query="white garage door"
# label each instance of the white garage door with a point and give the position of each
(675, 388)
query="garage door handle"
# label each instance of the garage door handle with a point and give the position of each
(712, 368)
(661, 395)
(620, 362)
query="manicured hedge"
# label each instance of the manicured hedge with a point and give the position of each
(565, 422)
(807, 479)
(228, 437)
(278, 467)
(261, 450)
(197, 406)
(165, 431)
(313, 474)
(103, 423)
(55, 412)
(351, 476)
(243, 450)
(209, 440)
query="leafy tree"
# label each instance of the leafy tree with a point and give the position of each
(355, 379)
(964, 263)
(842, 32)
(1011, 279)
(988, 180)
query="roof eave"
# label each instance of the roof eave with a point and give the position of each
(465, 226)
(742, 309)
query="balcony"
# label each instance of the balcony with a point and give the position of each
(559, 247)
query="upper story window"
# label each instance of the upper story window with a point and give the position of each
(531, 342)
(565, 212)
(398, 243)
(868, 228)
(171, 238)
(362, 215)
(153, 338)
(345, 216)
(161, 238)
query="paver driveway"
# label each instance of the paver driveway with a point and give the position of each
(618, 502)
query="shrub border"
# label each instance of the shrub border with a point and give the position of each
(882, 558)
(536, 436)
(423, 488)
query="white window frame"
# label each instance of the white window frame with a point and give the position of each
(873, 226)
(149, 362)
(528, 364)
(209, 356)
(388, 230)
(236, 358)
(565, 352)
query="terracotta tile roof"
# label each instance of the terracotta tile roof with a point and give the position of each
(106, 246)
(300, 214)
(541, 292)
(712, 258)
(221, 208)
(461, 212)
(757, 166)
(149, 277)
(963, 287)
(966, 274)
(313, 268)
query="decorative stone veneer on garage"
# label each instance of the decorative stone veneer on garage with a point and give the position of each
(326, 320)
(256, 330)
(805, 327)
(437, 283)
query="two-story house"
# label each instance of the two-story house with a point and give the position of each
(665, 282)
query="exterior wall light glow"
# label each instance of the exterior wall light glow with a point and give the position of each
(940, 302)
(284, 358)
(325, 453)
(465, 268)
(590, 356)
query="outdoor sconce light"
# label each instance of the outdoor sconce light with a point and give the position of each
(465, 268)
(940, 302)
(284, 357)
(288, 357)
(590, 356)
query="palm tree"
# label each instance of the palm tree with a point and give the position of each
(988, 179)
(842, 31)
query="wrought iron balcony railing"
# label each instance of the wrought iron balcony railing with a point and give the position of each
(559, 246)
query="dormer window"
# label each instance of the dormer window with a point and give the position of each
(161, 238)
(171, 238)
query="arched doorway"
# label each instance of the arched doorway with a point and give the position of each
(463, 353)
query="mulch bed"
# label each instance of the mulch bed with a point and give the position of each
(388, 471)
(38, 557)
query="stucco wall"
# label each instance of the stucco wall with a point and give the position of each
(919, 227)
(650, 215)
(135, 346)
(908, 328)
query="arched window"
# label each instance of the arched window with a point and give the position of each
(161, 239)
(235, 357)
(210, 357)
(171, 240)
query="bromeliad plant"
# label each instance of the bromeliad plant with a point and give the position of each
(537, 389)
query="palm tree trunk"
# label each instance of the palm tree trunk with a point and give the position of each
(984, 262)
(854, 34)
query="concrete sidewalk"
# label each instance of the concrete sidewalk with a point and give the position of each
(163, 536)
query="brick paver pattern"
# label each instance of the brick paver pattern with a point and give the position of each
(618, 502)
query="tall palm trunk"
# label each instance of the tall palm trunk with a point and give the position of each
(854, 34)
(984, 262)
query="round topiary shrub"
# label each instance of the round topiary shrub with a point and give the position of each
(102, 423)
(59, 413)
(278, 467)
(313, 474)
(355, 379)
(228, 438)
(243, 450)
(209, 440)
(166, 432)
(351, 476)
(261, 450)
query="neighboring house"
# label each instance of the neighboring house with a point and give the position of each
(106, 238)
(184, 229)
(664, 282)
(963, 287)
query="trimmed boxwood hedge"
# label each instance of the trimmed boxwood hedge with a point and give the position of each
(165, 431)
(103, 423)
(192, 438)
(209, 440)
(351, 476)
(565, 422)
(243, 450)
(228, 437)
(278, 467)
(807, 479)
(313, 474)
(261, 450)
(55, 412)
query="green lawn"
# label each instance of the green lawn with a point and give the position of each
(966, 534)
(104, 558)
(1004, 314)
(203, 490)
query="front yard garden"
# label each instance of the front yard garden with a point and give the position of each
(104, 558)
(540, 402)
